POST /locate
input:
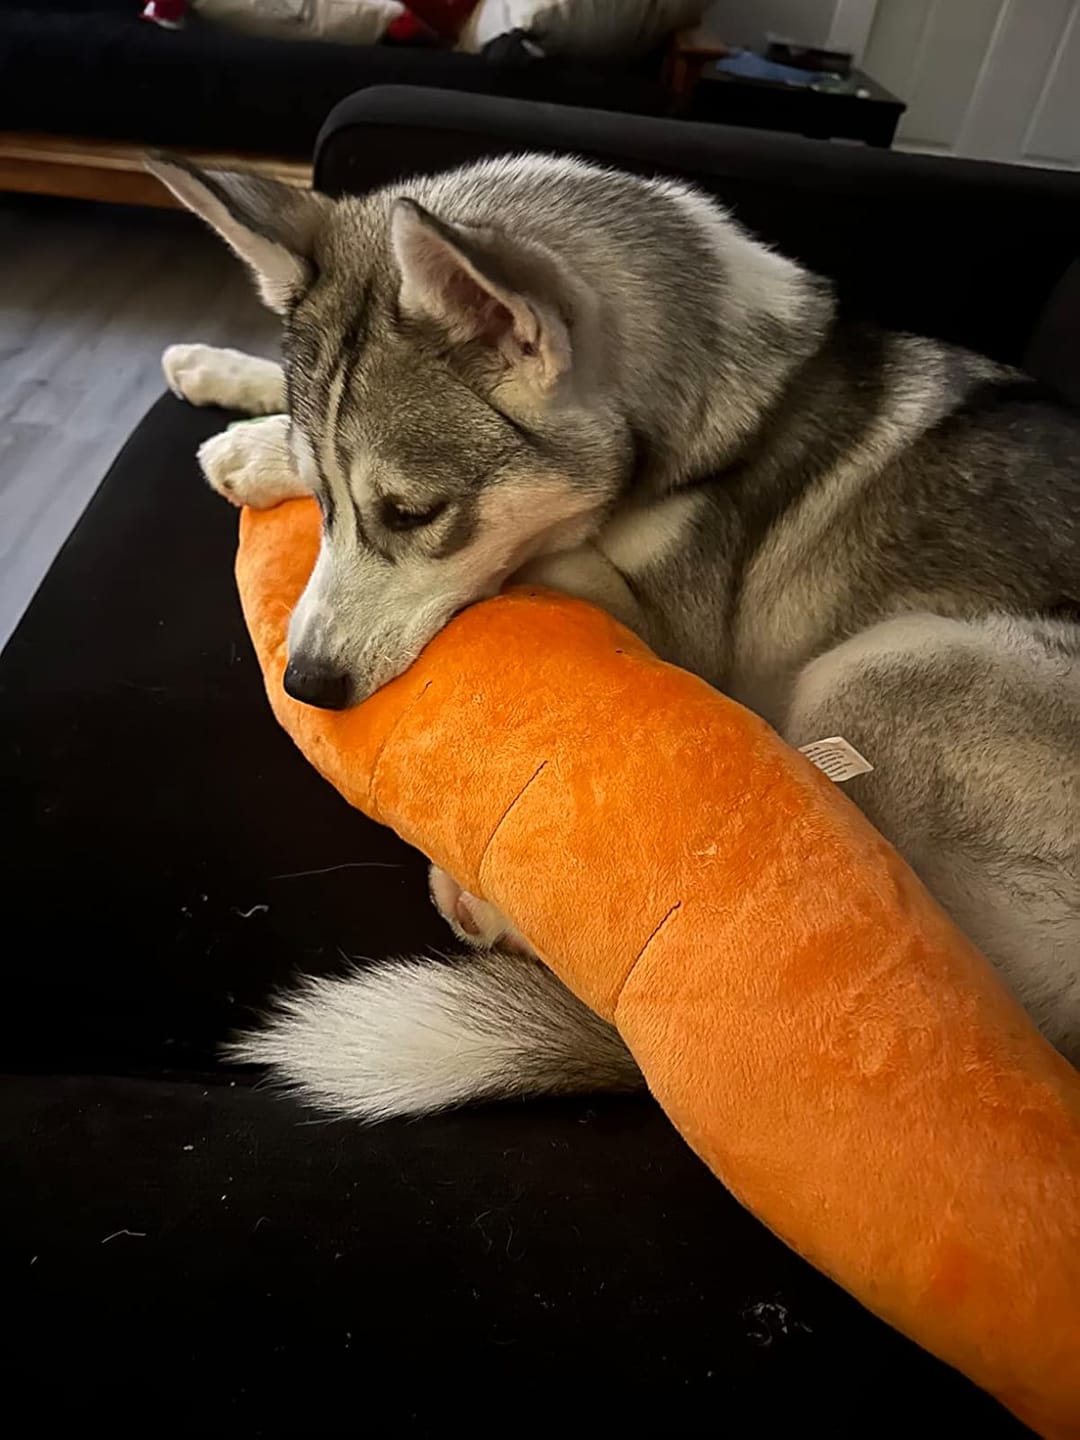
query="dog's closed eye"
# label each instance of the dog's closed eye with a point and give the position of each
(396, 516)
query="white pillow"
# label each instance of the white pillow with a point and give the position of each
(350, 22)
(492, 18)
(593, 29)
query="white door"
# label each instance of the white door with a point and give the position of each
(996, 79)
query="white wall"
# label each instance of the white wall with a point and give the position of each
(994, 79)
(745, 22)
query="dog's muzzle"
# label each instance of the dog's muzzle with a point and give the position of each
(317, 685)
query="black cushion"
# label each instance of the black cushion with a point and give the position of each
(1053, 353)
(141, 764)
(964, 251)
(101, 71)
(184, 1247)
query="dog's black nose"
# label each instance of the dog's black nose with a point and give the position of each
(317, 685)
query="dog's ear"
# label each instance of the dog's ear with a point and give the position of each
(271, 226)
(479, 285)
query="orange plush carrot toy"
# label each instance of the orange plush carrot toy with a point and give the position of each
(811, 1022)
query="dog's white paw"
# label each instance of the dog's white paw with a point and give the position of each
(472, 919)
(209, 375)
(250, 464)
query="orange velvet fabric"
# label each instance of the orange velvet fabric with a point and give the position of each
(817, 1029)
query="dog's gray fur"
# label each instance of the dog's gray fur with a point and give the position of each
(534, 367)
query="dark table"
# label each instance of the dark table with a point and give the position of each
(868, 112)
(863, 110)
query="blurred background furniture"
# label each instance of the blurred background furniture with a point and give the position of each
(86, 87)
(981, 79)
(712, 81)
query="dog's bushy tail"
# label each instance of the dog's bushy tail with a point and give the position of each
(409, 1037)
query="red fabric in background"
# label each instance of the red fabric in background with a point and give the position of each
(169, 13)
(441, 18)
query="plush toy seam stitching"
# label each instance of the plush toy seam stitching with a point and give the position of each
(505, 816)
(386, 741)
(660, 925)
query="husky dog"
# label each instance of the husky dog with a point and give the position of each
(534, 368)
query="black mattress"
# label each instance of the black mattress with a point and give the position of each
(184, 1248)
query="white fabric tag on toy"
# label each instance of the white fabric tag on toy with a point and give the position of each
(836, 758)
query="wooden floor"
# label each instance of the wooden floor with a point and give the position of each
(86, 169)
(89, 297)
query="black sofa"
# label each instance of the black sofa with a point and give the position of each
(93, 68)
(188, 1252)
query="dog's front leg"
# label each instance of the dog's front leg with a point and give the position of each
(210, 375)
(252, 464)
(472, 919)
(586, 574)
